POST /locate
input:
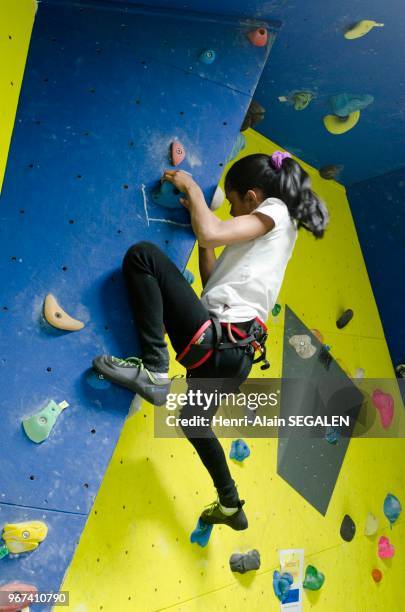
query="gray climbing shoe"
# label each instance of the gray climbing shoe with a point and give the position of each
(133, 375)
(213, 515)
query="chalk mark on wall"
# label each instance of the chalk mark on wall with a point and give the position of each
(155, 219)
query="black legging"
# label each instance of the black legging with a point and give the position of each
(160, 295)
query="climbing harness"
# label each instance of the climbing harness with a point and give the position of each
(208, 339)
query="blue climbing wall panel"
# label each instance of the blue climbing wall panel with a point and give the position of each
(378, 211)
(105, 93)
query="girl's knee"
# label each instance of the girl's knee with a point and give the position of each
(136, 251)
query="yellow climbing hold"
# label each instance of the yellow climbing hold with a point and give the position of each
(21, 537)
(340, 125)
(362, 28)
(57, 317)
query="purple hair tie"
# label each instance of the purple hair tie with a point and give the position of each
(277, 159)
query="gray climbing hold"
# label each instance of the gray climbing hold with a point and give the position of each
(245, 562)
(254, 115)
(331, 171)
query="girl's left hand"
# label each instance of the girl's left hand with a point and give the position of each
(180, 179)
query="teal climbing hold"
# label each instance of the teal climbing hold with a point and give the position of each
(167, 195)
(344, 104)
(239, 450)
(201, 533)
(240, 144)
(208, 56)
(392, 508)
(39, 426)
(4, 551)
(332, 435)
(281, 585)
(189, 276)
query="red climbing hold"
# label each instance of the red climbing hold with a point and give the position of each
(177, 153)
(384, 402)
(377, 575)
(258, 37)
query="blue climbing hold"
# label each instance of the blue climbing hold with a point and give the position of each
(392, 508)
(281, 585)
(344, 104)
(208, 56)
(239, 450)
(332, 435)
(189, 276)
(167, 195)
(201, 533)
(240, 144)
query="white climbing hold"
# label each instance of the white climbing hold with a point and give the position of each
(217, 198)
(57, 317)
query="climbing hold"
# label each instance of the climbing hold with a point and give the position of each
(317, 334)
(400, 370)
(258, 37)
(330, 171)
(377, 575)
(57, 317)
(255, 114)
(303, 346)
(14, 603)
(359, 373)
(189, 276)
(208, 56)
(384, 402)
(239, 450)
(340, 125)
(371, 527)
(282, 584)
(301, 99)
(21, 537)
(167, 195)
(344, 319)
(313, 579)
(39, 426)
(246, 562)
(347, 528)
(217, 199)
(392, 508)
(177, 153)
(240, 144)
(276, 310)
(4, 551)
(385, 548)
(361, 28)
(201, 533)
(332, 435)
(344, 104)
(325, 357)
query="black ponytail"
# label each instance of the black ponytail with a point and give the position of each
(290, 183)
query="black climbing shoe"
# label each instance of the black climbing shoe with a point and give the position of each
(213, 515)
(132, 374)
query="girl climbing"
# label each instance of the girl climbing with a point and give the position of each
(217, 336)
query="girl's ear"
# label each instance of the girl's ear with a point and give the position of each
(251, 197)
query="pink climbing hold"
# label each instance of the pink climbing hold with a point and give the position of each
(258, 37)
(9, 593)
(177, 153)
(384, 402)
(385, 548)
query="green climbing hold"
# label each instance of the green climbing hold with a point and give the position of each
(3, 551)
(276, 310)
(39, 426)
(313, 579)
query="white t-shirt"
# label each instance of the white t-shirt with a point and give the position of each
(247, 276)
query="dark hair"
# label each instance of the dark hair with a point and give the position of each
(291, 184)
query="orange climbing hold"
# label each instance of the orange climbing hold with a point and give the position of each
(258, 37)
(377, 575)
(177, 153)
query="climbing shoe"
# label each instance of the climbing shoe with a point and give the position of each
(132, 374)
(215, 514)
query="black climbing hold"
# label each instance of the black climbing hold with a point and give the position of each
(344, 319)
(246, 562)
(325, 357)
(330, 172)
(400, 370)
(254, 115)
(347, 528)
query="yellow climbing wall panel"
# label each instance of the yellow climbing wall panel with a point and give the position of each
(16, 20)
(135, 553)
